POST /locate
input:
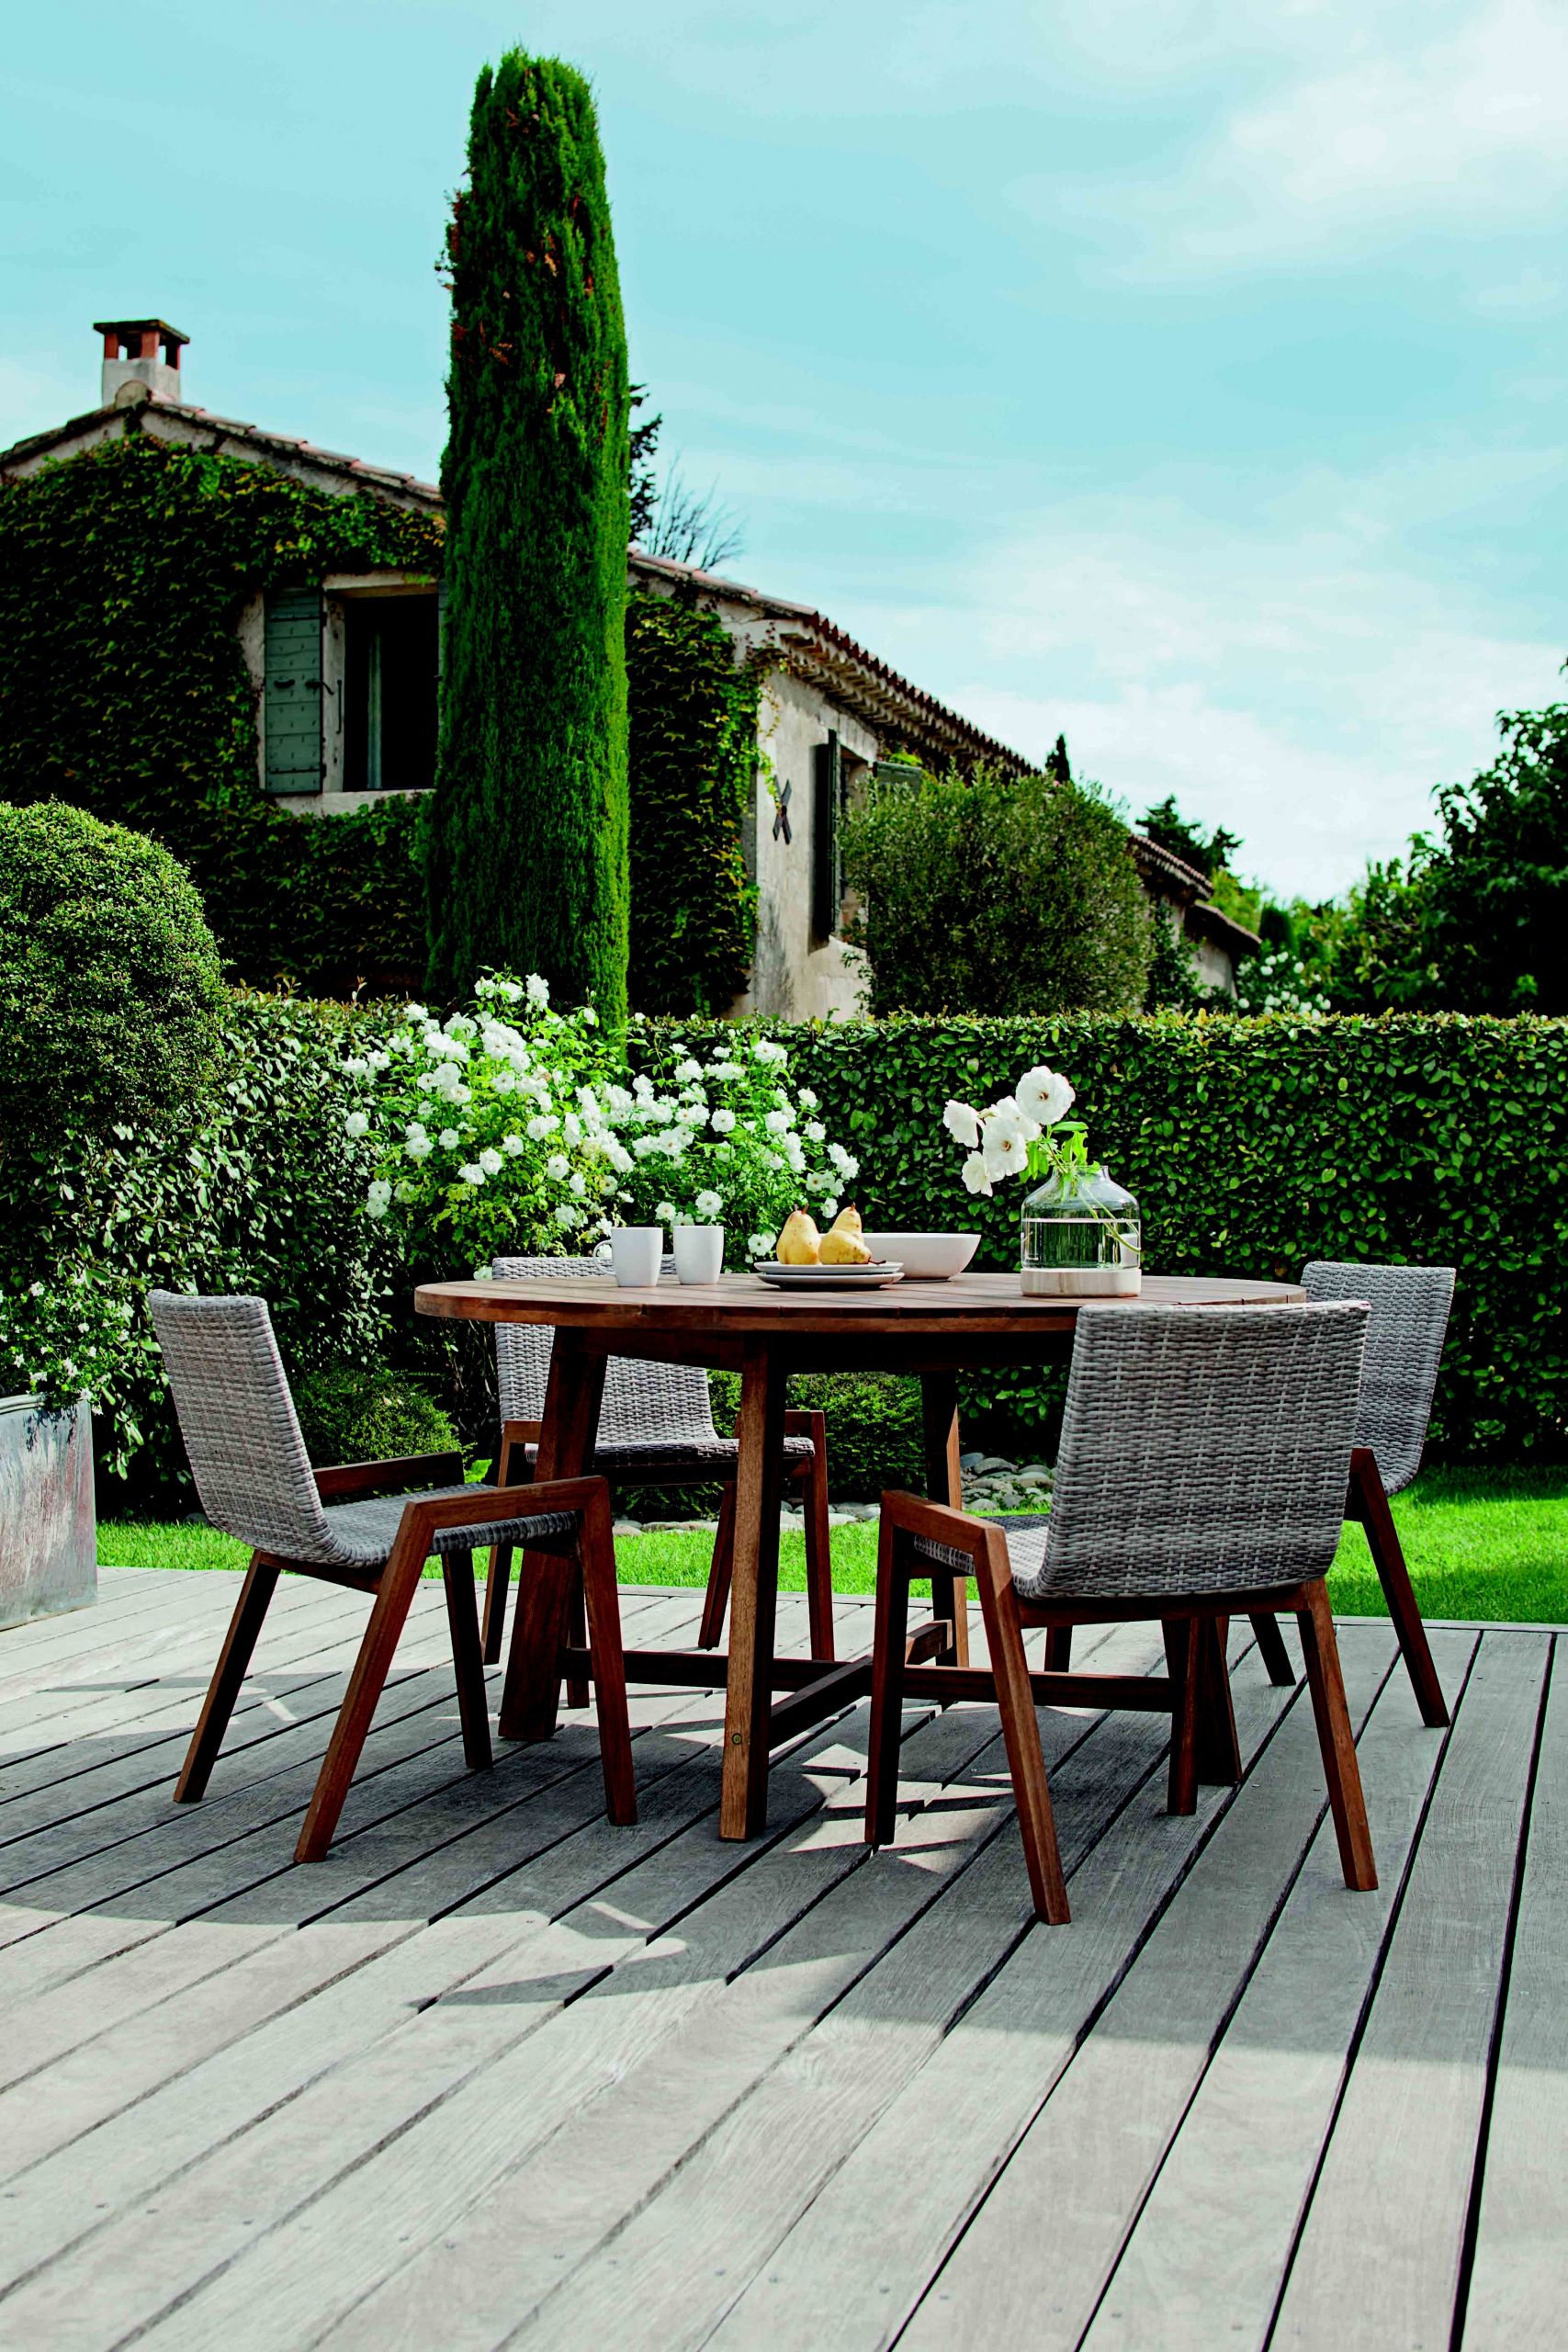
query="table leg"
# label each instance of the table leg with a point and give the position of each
(753, 1596)
(546, 1581)
(945, 1484)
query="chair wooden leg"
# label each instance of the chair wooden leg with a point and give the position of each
(1273, 1651)
(531, 1694)
(497, 1583)
(467, 1658)
(1021, 1731)
(1218, 1749)
(1369, 1505)
(228, 1679)
(888, 1644)
(1058, 1657)
(394, 1597)
(508, 1472)
(716, 1600)
(945, 1484)
(1184, 1662)
(1336, 1740)
(577, 1691)
(603, 1609)
(818, 1544)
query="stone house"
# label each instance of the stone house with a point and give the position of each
(345, 671)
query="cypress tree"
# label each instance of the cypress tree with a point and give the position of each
(528, 854)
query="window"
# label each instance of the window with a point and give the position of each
(391, 657)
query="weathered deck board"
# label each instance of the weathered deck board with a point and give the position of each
(1518, 2287)
(1378, 2260)
(500, 2073)
(1208, 2250)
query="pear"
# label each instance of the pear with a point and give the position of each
(841, 1247)
(799, 1243)
(847, 1220)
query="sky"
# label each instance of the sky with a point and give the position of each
(1187, 376)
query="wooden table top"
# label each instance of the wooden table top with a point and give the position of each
(737, 1304)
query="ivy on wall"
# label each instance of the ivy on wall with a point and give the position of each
(123, 572)
(694, 763)
(123, 689)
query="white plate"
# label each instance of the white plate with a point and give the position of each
(876, 1277)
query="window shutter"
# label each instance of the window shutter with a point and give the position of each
(291, 693)
(827, 882)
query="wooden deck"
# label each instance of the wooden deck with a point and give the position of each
(497, 2073)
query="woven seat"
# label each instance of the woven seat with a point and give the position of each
(366, 1525)
(655, 1429)
(366, 1531)
(697, 1462)
(1201, 1469)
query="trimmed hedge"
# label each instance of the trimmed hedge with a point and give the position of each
(252, 1187)
(1252, 1145)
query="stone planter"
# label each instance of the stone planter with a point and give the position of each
(49, 1535)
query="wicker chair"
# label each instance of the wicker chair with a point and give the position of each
(1202, 1471)
(360, 1525)
(1405, 1347)
(655, 1429)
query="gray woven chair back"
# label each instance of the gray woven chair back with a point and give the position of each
(645, 1404)
(1405, 1347)
(240, 1428)
(1204, 1449)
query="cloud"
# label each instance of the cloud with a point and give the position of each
(1289, 670)
(1361, 121)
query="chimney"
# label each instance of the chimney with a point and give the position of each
(142, 361)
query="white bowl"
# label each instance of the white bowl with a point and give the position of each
(925, 1257)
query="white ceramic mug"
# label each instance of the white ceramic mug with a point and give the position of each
(699, 1252)
(637, 1253)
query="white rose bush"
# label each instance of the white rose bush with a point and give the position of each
(486, 1129)
(514, 1129)
(725, 1141)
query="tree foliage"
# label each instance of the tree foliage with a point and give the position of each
(989, 893)
(529, 861)
(109, 984)
(1488, 919)
(1165, 824)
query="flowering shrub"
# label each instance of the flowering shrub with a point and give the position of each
(725, 1139)
(487, 1128)
(511, 1128)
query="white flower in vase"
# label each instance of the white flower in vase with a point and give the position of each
(975, 1178)
(962, 1124)
(1044, 1095)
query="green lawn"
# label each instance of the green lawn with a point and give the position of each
(1488, 1544)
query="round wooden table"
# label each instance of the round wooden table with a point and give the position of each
(974, 1322)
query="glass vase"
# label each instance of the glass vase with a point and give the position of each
(1081, 1238)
